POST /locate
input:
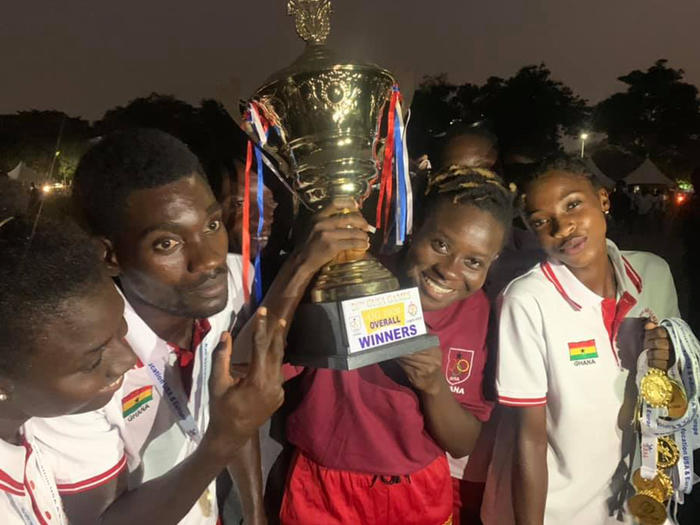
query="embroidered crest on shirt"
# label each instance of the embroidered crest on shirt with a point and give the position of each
(136, 402)
(459, 365)
(583, 352)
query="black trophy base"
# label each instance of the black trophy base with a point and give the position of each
(317, 339)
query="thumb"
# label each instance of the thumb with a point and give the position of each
(220, 379)
(649, 325)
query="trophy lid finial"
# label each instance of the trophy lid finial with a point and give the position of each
(312, 19)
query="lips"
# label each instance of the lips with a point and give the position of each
(113, 386)
(573, 245)
(212, 287)
(434, 287)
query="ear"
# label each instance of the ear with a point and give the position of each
(604, 199)
(109, 256)
(6, 389)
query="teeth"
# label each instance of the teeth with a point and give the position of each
(435, 286)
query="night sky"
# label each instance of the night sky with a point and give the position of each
(84, 57)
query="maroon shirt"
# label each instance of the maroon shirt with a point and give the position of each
(369, 420)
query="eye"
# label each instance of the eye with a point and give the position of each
(439, 246)
(538, 223)
(214, 225)
(165, 245)
(573, 204)
(472, 263)
(94, 365)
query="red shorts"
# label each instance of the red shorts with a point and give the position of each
(467, 498)
(316, 495)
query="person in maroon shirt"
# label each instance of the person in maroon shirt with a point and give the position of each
(371, 442)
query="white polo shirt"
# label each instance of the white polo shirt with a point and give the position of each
(138, 427)
(564, 347)
(28, 494)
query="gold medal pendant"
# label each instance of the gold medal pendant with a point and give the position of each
(660, 484)
(656, 388)
(646, 507)
(206, 503)
(666, 452)
(678, 404)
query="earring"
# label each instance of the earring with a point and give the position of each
(607, 212)
(4, 396)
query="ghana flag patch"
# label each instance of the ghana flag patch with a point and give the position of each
(136, 399)
(582, 350)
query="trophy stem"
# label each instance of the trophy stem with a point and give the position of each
(339, 281)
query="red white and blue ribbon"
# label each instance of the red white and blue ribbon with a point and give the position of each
(396, 157)
(261, 127)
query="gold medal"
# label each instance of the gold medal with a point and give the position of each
(678, 404)
(655, 387)
(660, 483)
(647, 508)
(666, 452)
(206, 503)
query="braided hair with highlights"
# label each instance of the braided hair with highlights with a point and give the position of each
(478, 187)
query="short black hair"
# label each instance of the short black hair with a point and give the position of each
(478, 187)
(566, 163)
(462, 129)
(37, 273)
(124, 162)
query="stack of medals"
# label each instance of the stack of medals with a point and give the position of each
(669, 431)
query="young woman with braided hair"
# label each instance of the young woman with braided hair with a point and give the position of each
(371, 442)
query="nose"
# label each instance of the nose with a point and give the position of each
(562, 229)
(206, 255)
(124, 358)
(448, 268)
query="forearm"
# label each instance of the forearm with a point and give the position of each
(167, 499)
(452, 427)
(288, 287)
(246, 472)
(529, 480)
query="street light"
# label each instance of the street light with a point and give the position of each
(583, 138)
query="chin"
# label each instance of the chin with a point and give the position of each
(204, 309)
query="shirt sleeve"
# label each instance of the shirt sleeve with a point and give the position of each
(521, 373)
(85, 451)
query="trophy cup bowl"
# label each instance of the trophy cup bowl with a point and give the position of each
(325, 113)
(329, 112)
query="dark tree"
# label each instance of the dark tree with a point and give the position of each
(530, 111)
(657, 116)
(31, 137)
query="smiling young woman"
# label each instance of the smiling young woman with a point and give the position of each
(371, 442)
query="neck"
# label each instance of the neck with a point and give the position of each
(599, 276)
(10, 425)
(171, 328)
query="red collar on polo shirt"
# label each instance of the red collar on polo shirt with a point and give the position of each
(185, 357)
(577, 295)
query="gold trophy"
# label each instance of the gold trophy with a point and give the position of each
(323, 117)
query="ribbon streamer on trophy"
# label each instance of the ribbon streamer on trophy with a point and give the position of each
(669, 427)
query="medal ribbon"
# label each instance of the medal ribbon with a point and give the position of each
(686, 429)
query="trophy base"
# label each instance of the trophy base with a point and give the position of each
(320, 336)
(347, 280)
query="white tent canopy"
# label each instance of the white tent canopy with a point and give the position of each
(25, 174)
(648, 173)
(601, 177)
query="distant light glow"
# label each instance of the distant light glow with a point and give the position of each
(584, 136)
(46, 188)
